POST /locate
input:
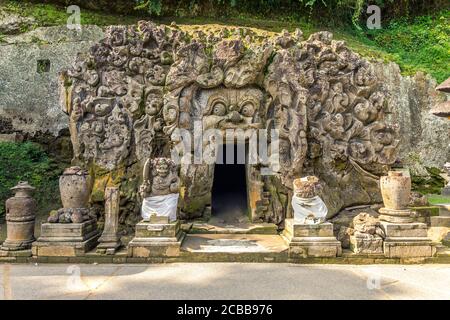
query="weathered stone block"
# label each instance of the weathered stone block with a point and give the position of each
(68, 231)
(404, 229)
(408, 248)
(152, 230)
(366, 245)
(309, 230)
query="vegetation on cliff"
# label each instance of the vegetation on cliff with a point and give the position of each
(415, 41)
(28, 162)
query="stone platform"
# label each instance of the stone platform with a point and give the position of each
(66, 239)
(311, 240)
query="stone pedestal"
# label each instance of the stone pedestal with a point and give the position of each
(66, 239)
(109, 242)
(407, 240)
(311, 240)
(156, 237)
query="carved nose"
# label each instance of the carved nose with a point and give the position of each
(234, 117)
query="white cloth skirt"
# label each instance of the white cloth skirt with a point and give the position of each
(304, 207)
(161, 206)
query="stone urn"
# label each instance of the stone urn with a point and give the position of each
(75, 188)
(20, 218)
(395, 190)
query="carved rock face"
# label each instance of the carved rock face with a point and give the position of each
(129, 94)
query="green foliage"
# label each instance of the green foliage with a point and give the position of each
(28, 162)
(422, 44)
(416, 44)
(437, 199)
(51, 15)
(152, 6)
(428, 185)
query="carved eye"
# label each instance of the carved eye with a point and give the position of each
(219, 109)
(248, 110)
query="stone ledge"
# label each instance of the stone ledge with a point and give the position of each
(346, 258)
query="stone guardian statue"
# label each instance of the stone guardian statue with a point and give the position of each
(159, 189)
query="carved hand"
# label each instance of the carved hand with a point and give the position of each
(145, 189)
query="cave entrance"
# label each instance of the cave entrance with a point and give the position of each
(229, 192)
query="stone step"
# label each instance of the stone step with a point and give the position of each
(234, 228)
(234, 247)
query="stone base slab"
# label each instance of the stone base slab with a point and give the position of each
(404, 230)
(64, 248)
(108, 244)
(319, 248)
(108, 247)
(311, 240)
(408, 248)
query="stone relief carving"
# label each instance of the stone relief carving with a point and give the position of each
(129, 93)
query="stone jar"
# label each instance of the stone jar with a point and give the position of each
(75, 188)
(20, 218)
(395, 190)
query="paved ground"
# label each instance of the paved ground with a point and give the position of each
(224, 281)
